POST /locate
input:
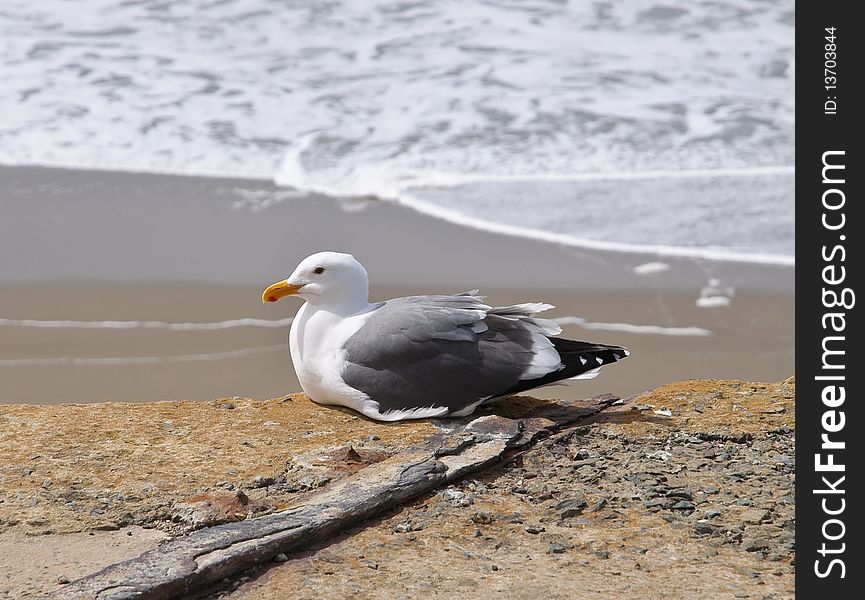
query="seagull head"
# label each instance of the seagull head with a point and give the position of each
(331, 278)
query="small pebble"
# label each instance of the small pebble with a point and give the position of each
(482, 518)
(261, 481)
(556, 549)
(756, 545)
(572, 507)
(754, 516)
(703, 528)
(599, 505)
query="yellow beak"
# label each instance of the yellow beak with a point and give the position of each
(278, 290)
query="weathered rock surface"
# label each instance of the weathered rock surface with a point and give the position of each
(500, 535)
(72, 468)
(701, 500)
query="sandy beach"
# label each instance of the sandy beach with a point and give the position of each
(91, 247)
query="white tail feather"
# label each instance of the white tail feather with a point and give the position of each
(588, 374)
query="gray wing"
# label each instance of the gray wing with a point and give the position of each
(447, 351)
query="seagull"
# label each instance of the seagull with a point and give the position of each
(420, 356)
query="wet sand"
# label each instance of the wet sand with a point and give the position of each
(95, 246)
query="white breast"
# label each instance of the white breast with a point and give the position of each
(317, 341)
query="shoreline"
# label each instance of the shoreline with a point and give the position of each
(108, 246)
(659, 251)
(259, 188)
(448, 181)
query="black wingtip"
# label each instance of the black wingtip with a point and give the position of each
(578, 358)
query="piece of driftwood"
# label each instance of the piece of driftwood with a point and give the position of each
(191, 562)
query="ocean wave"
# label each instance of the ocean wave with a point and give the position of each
(277, 323)
(433, 193)
(385, 182)
(212, 326)
(631, 328)
(661, 250)
(397, 100)
(134, 168)
(110, 361)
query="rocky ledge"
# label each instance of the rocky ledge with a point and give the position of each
(683, 490)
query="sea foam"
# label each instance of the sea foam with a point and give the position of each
(479, 109)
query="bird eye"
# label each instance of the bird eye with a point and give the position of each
(318, 270)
